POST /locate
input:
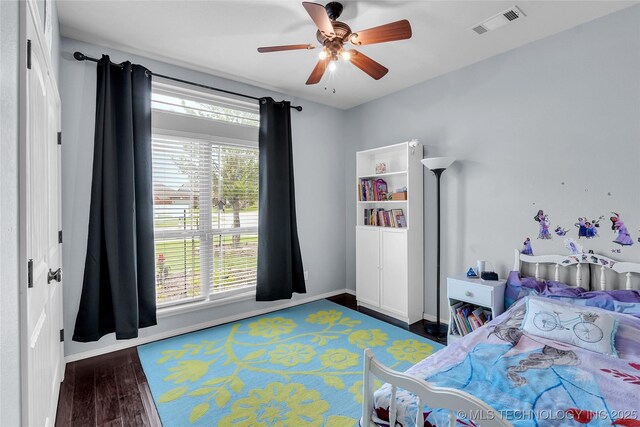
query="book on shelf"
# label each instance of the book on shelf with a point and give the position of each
(453, 328)
(466, 318)
(384, 218)
(372, 190)
(478, 313)
(454, 317)
(380, 189)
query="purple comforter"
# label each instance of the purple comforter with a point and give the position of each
(621, 301)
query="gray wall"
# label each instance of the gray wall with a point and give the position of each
(9, 218)
(553, 125)
(319, 172)
(9, 303)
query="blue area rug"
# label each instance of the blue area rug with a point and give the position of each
(301, 366)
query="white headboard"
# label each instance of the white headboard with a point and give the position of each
(562, 261)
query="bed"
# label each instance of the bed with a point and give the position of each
(502, 375)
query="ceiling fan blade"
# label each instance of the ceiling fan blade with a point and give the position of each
(318, 14)
(399, 30)
(285, 47)
(318, 72)
(368, 65)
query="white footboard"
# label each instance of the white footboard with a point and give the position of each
(427, 394)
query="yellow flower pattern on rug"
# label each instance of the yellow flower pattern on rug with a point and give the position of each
(297, 367)
(292, 354)
(368, 338)
(278, 404)
(410, 350)
(339, 359)
(324, 317)
(271, 327)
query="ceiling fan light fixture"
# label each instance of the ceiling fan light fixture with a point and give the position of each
(333, 34)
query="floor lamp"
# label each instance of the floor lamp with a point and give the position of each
(437, 165)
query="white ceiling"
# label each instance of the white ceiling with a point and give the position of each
(221, 37)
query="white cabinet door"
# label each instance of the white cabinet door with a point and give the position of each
(368, 266)
(394, 280)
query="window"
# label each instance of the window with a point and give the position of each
(205, 179)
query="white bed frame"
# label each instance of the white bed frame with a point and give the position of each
(457, 400)
(436, 397)
(604, 263)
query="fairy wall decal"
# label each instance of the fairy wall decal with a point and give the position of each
(543, 220)
(623, 238)
(573, 247)
(588, 229)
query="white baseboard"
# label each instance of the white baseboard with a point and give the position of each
(350, 292)
(432, 318)
(192, 328)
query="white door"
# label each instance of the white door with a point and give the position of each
(42, 299)
(393, 272)
(368, 265)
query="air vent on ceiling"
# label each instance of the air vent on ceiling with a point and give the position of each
(499, 20)
(480, 29)
(511, 15)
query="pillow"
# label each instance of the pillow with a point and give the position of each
(592, 330)
(517, 288)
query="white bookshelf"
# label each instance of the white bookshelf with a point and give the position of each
(382, 202)
(382, 175)
(389, 260)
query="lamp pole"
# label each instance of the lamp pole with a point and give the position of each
(437, 165)
(436, 329)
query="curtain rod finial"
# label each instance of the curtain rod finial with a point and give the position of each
(297, 107)
(79, 56)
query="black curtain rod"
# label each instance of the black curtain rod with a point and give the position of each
(79, 56)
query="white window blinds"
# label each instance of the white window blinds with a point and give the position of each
(205, 216)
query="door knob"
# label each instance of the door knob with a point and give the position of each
(54, 275)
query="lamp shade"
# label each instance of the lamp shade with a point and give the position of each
(433, 163)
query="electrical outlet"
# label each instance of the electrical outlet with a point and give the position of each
(306, 275)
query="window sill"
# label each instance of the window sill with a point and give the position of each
(201, 305)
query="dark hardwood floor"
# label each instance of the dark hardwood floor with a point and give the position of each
(108, 390)
(112, 390)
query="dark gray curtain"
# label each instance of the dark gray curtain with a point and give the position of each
(280, 271)
(118, 291)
